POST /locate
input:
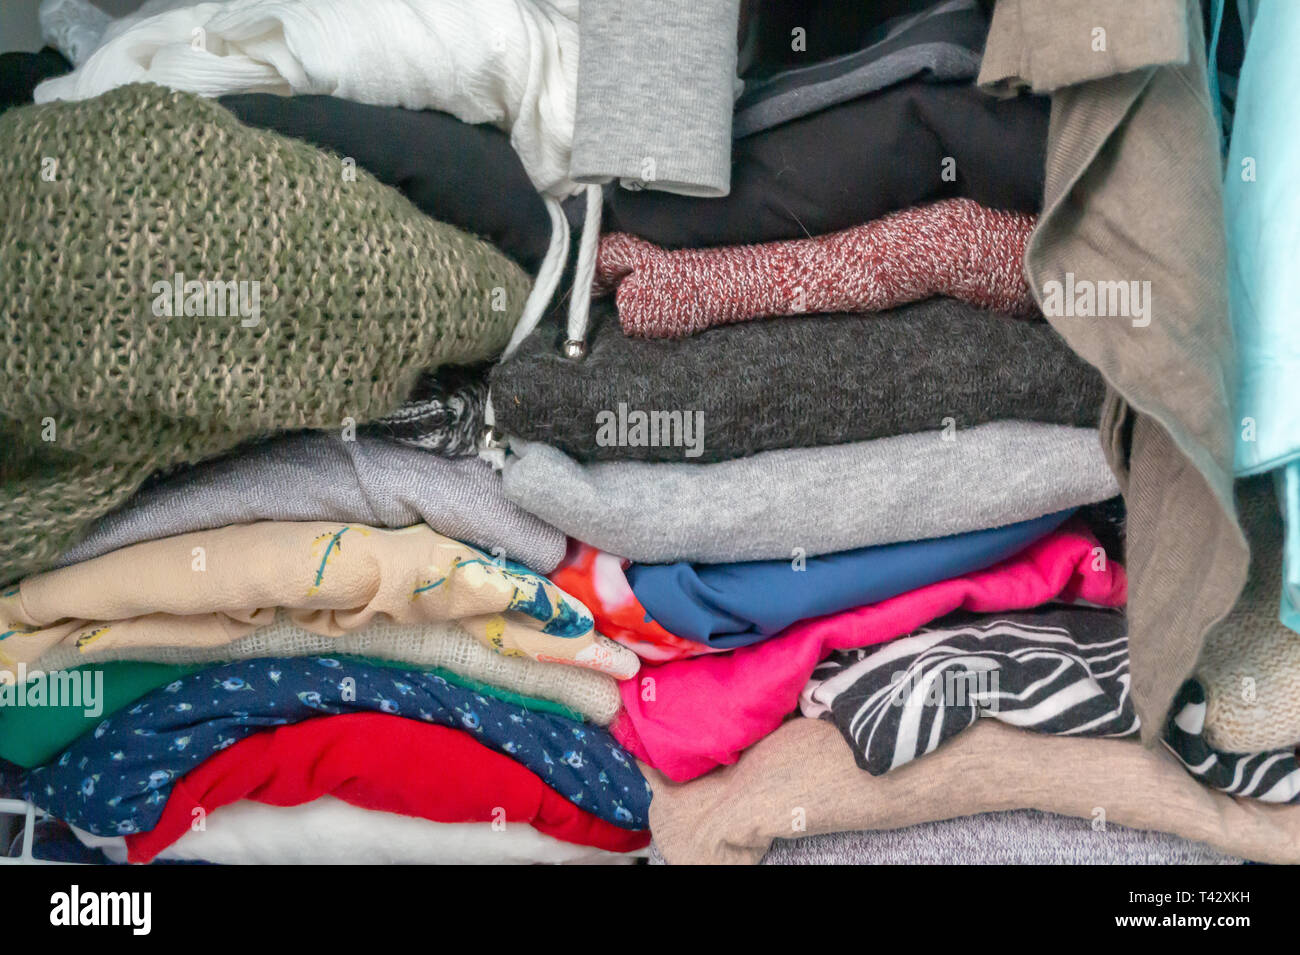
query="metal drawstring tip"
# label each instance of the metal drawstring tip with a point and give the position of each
(575, 348)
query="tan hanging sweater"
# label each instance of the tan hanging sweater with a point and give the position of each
(1133, 194)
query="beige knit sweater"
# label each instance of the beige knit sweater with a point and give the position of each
(802, 780)
(1250, 666)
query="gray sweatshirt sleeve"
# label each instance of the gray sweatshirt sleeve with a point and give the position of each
(656, 85)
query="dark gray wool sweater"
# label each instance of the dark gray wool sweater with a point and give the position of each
(796, 382)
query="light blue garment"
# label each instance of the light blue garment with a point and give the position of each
(1247, 11)
(1262, 211)
(1212, 61)
(736, 605)
(1288, 496)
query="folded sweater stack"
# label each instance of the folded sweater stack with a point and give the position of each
(245, 519)
(773, 448)
(321, 524)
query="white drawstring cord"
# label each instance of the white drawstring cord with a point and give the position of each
(548, 277)
(584, 274)
(492, 447)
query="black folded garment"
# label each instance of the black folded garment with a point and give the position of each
(463, 174)
(830, 29)
(852, 163)
(794, 382)
(20, 73)
(943, 42)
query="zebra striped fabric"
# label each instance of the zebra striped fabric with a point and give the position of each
(1269, 777)
(1060, 670)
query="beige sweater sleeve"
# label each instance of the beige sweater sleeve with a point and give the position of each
(1049, 44)
(802, 780)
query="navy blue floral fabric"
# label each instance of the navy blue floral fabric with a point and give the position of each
(115, 780)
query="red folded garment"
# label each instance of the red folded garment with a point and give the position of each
(383, 762)
(955, 248)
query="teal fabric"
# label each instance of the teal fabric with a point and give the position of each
(1211, 58)
(1288, 492)
(1248, 10)
(1263, 220)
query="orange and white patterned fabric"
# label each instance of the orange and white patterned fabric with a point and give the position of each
(599, 580)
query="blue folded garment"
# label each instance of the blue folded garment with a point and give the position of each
(115, 780)
(1260, 205)
(1287, 481)
(735, 605)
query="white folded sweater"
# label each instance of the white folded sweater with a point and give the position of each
(328, 831)
(511, 63)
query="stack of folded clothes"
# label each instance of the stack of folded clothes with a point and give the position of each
(835, 520)
(782, 449)
(821, 453)
(263, 601)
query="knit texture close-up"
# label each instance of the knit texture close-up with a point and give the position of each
(794, 382)
(1250, 667)
(357, 292)
(956, 248)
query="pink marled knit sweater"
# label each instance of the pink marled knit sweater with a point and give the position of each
(956, 248)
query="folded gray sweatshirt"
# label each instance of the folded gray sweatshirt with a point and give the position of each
(656, 83)
(823, 500)
(320, 477)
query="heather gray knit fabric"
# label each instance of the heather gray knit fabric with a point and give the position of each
(320, 477)
(656, 83)
(909, 487)
(1021, 837)
(794, 382)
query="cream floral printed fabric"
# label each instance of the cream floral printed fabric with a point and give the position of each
(212, 587)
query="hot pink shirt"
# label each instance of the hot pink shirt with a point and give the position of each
(686, 717)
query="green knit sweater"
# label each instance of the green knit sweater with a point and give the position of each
(103, 380)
